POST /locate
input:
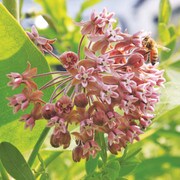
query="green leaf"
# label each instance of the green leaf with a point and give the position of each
(151, 168)
(111, 170)
(170, 98)
(127, 166)
(164, 33)
(16, 49)
(91, 165)
(171, 44)
(85, 5)
(164, 11)
(133, 150)
(14, 162)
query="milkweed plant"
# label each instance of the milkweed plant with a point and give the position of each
(109, 86)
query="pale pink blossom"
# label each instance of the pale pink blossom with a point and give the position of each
(85, 76)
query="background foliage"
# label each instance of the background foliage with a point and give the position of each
(156, 156)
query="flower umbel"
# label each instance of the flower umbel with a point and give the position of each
(113, 76)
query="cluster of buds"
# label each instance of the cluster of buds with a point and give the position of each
(112, 90)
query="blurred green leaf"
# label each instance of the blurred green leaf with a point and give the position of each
(151, 168)
(170, 98)
(171, 44)
(14, 162)
(16, 49)
(164, 33)
(91, 164)
(85, 5)
(164, 11)
(111, 169)
(128, 162)
(127, 166)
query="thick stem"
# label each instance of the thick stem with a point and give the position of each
(37, 146)
(13, 7)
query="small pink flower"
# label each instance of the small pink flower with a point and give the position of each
(127, 82)
(18, 101)
(101, 42)
(68, 59)
(85, 76)
(103, 61)
(114, 136)
(112, 119)
(16, 80)
(128, 103)
(59, 123)
(29, 121)
(97, 22)
(86, 127)
(108, 93)
(26, 78)
(64, 105)
(43, 44)
(91, 148)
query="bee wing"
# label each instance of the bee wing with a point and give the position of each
(163, 48)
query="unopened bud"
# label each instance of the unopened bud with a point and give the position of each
(99, 118)
(77, 153)
(114, 148)
(81, 100)
(48, 111)
(54, 141)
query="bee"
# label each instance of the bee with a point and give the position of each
(152, 49)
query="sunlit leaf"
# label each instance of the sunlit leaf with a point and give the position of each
(16, 49)
(14, 162)
(171, 44)
(91, 164)
(164, 33)
(164, 11)
(112, 169)
(127, 166)
(170, 98)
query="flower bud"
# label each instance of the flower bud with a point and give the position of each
(81, 100)
(99, 118)
(77, 153)
(114, 148)
(65, 139)
(68, 59)
(48, 111)
(54, 141)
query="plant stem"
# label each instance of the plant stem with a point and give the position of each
(37, 146)
(13, 7)
(51, 158)
(79, 47)
(4, 174)
(101, 141)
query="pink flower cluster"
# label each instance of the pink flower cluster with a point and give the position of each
(112, 90)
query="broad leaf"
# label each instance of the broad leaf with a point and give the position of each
(14, 162)
(111, 170)
(164, 11)
(164, 33)
(16, 49)
(91, 164)
(154, 167)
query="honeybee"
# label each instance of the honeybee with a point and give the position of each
(152, 49)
